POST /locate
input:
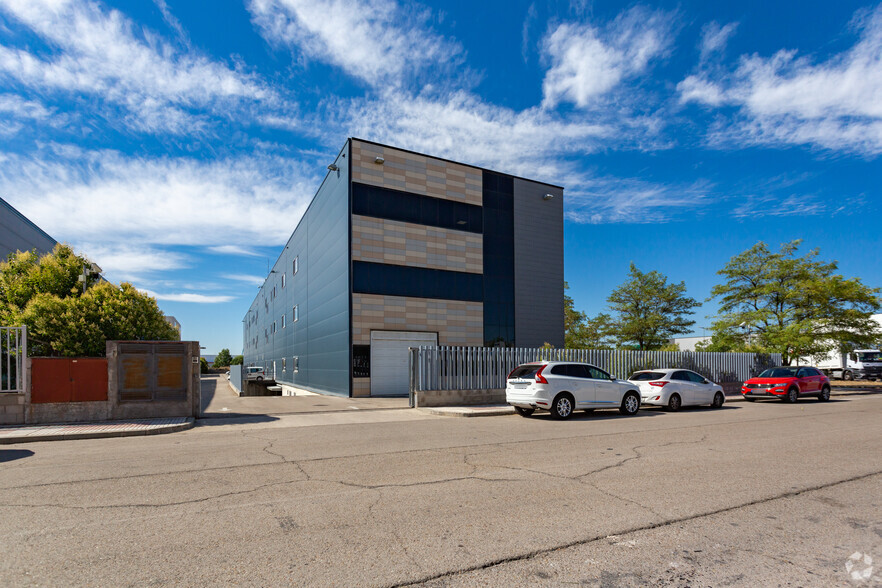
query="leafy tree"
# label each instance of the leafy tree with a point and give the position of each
(650, 311)
(45, 294)
(593, 333)
(795, 306)
(573, 320)
(237, 360)
(203, 365)
(223, 359)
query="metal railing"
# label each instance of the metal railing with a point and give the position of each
(484, 368)
(13, 355)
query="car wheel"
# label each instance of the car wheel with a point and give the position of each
(630, 404)
(824, 396)
(718, 400)
(674, 403)
(792, 395)
(847, 375)
(259, 378)
(524, 412)
(562, 407)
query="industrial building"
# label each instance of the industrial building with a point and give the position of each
(400, 249)
(18, 233)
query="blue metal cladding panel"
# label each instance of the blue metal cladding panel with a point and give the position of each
(17, 233)
(319, 339)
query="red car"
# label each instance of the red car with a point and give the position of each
(789, 383)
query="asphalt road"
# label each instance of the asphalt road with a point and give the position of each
(751, 494)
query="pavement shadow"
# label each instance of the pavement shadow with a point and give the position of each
(14, 454)
(233, 418)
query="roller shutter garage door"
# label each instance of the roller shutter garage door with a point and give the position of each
(389, 361)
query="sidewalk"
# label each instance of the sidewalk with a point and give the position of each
(65, 431)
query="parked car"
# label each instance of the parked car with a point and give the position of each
(562, 387)
(254, 373)
(674, 388)
(789, 383)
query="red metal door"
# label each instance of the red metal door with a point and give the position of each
(50, 380)
(88, 377)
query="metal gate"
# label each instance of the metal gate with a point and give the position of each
(152, 372)
(13, 355)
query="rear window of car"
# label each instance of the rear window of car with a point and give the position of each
(646, 376)
(524, 372)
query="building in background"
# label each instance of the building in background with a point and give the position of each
(18, 233)
(175, 324)
(399, 249)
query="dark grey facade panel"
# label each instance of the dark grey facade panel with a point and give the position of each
(17, 233)
(319, 339)
(539, 274)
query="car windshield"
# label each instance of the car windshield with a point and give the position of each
(646, 376)
(779, 372)
(524, 372)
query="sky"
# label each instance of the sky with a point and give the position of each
(177, 143)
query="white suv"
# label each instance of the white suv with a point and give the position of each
(563, 387)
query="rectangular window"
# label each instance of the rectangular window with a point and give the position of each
(284, 369)
(295, 364)
(284, 316)
(412, 208)
(283, 280)
(417, 282)
(498, 200)
(296, 314)
(296, 265)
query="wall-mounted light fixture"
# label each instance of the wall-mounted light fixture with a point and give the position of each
(379, 160)
(548, 197)
(333, 167)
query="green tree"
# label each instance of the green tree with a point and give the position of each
(203, 366)
(574, 320)
(792, 305)
(237, 360)
(650, 310)
(223, 359)
(45, 294)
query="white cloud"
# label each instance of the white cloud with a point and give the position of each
(253, 200)
(378, 41)
(123, 262)
(248, 279)
(102, 53)
(715, 37)
(234, 250)
(189, 297)
(588, 62)
(787, 100)
(628, 200)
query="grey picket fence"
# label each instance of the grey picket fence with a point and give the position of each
(484, 368)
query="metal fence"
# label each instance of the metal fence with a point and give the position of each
(484, 368)
(13, 354)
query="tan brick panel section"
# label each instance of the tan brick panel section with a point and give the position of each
(418, 174)
(455, 321)
(399, 243)
(361, 387)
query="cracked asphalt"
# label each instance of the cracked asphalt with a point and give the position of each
(750, 494)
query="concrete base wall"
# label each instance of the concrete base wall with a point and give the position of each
(12, 409)
(458, 397)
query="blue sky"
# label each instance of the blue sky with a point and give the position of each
(177, 145)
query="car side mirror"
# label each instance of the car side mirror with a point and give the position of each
(612, 378)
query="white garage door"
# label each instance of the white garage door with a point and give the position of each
(389, 361)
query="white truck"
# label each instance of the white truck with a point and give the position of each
(860, 364)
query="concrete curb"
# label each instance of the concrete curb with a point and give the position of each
(85, 433)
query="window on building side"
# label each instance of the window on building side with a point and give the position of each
(296, 314)
(295, 364)
(283, 280)
(296, 265)
(284, 369)
(284, 316)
